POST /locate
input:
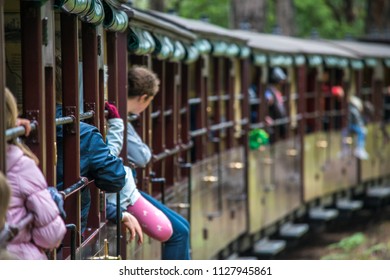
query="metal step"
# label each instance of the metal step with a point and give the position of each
(294, 231)
(236, 256)
(349, 205)
(378, 192)
(268, 247)
(322, 214)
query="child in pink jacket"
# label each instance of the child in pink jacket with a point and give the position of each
(30, 197)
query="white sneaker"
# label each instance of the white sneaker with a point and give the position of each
(361, 154)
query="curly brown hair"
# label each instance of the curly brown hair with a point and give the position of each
(142, 81)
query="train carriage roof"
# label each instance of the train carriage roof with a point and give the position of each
(200, 27)
(292, 45)
(146, 21)
(149, 34)
(364, 49)
(211, 38)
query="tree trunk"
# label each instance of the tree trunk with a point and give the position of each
(248, 14)
(157, 5)
(285, 17)
(377, 20)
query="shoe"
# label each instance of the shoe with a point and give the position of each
(361, 154)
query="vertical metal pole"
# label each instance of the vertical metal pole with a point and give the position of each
(122, 87)
(118, 224)
(49, 86)
(91, 102)
(112, 62)
(70, 107)
(122, 107)
(32, 73)
(2, 85)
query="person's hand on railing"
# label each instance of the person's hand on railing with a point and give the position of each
(26, 123)
(112, 111)
(132, 224)
(268, 121)
(59, 200)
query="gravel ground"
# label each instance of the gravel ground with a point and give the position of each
(366, 235)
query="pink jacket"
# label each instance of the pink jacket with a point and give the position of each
(30, 195)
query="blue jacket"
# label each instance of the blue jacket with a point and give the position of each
(96, 163)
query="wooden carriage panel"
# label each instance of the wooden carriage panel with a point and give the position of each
(314, 154)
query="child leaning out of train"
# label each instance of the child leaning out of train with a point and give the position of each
(160, 223)
(96, 161)
(355, 126)
(30, 199)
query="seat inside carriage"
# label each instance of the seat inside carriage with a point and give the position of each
(249, 132)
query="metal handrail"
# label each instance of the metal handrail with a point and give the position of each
(168, 112)
(194, 101)
(198, 132)
(155, 114)
(75, 187)
(244, 121)
(19, 131)
(183, 110)
(222, 125)
(187, 146)
(133, 117)
(257, 125)
(71, 119)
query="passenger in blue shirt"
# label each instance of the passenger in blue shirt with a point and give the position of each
(96, 161)
(160, 222)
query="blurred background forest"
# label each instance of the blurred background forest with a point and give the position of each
(331, 19)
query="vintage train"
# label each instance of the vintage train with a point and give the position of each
(199, 127)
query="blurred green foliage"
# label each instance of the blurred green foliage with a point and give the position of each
(317, 16)
(358, 247)
(312, 18)
(217, 11)
(349, 243)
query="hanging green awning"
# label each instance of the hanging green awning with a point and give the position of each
(371, 62)
(95, 15)
(245, 51)
(315, 60)
(299, 59)
(334, 61)
(77, 7)
(343, 62)
(387, 62)
(259, 59)
(357, 64)
(280, 60)
(330, 61)
(232, 50)
(140, 41)
(203, 46)
(219, 48)
(115, 20)
(192, 54)
(179, 52)
(164, 47)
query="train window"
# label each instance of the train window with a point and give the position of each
(311, 101)
(13, 51)
(198, 105)
(386, 94)
(333, 92)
